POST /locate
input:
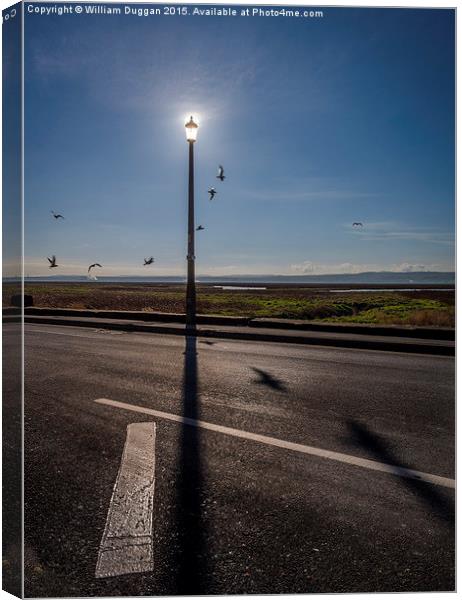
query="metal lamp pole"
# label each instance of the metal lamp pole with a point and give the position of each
(191, 134)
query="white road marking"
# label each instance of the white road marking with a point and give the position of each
(126, 545)
(270, 441)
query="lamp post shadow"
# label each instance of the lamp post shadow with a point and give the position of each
(191, 567)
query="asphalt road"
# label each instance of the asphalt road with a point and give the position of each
(231, 514)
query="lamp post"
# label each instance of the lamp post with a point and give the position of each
(191, 134)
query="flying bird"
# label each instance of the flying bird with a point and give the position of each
(221, 173)
(200, 228)
(148, 261)
(56, 216)
(52, 262)
(212, 192)
(357, 225)
(93, 265)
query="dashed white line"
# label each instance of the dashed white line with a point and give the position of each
(126, 545)
(270, 441)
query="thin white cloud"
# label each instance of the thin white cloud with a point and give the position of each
(311, 268)
(406, 267)
(389, 231)
(292, 188)
(307, 194)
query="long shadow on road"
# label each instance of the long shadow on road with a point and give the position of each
(440, 505)
(191, 556)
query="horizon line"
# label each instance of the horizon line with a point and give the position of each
(446, 272)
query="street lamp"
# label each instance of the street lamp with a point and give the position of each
(191, 134)
(191, 130)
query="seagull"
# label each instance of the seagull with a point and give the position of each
(212, 192)
(357, 225)
(52, 262)
(93, 265)
(221, 173)
(200, 228)
(148, 261)
(56, 216)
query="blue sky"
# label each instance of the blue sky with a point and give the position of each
(318, 122)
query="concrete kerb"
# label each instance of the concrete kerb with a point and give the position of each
(247, 333)
(429, 333)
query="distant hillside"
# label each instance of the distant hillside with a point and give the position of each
(380, 277)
